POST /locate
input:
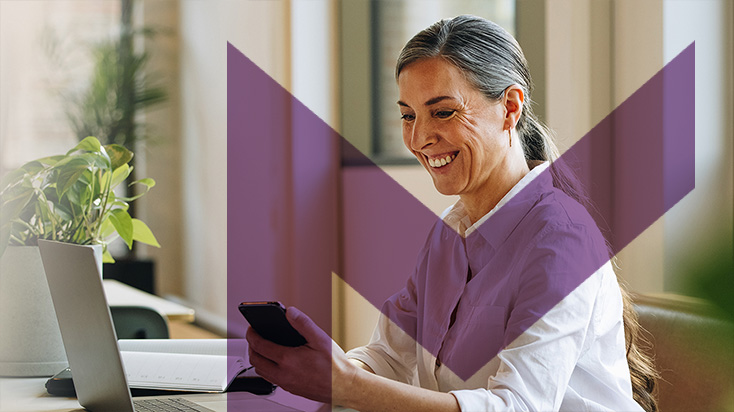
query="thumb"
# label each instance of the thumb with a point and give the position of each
(305, 326)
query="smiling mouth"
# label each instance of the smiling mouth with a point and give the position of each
(441, 161)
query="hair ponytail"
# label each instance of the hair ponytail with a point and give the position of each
(539, 146)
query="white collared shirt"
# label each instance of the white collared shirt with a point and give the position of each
(571, 358)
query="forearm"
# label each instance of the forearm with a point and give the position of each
(367, 392)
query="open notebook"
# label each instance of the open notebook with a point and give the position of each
(196, 365)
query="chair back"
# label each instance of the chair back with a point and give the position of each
(693, 351)
(139, 322)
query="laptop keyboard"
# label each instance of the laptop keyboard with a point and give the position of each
(167, 404)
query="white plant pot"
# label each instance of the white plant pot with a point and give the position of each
(30, 341)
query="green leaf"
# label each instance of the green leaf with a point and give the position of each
(69, 174)
(29, 210)
(118, 203)
(74, 192)
(107, 257)
(103, 182)
(51, 160)
(120, 174)
(107, 161)
(119, 155)
(11, 208)
(45, 212)
(63, 161)
(18, 226)
(123, 224)
(16, 190)
(142, 233)
(107, 229)
(32, 167)
(147, 182)
(98, 160)
(63, 213)
(88, 144)
(50, 194)
(12, 178)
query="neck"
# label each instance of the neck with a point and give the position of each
(480, 202)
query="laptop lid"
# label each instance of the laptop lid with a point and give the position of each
(87, 331)
(86, 326)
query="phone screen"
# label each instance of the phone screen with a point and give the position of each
(268, 319)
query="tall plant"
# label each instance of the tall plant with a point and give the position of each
(121, 87)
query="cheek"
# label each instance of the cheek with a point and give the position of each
(406, 136)
(470, 135)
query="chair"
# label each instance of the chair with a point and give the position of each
(139, 322)
(693, 351)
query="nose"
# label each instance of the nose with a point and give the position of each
(421, 135)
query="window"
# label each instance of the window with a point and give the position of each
(42, 54)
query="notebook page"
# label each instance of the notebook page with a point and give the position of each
(177, 371)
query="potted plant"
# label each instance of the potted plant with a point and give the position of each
(121, 86)
(68, 198)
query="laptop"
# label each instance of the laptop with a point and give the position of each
(75, 283)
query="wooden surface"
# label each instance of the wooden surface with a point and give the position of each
(184, 330)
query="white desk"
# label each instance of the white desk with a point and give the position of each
(29, 394)
(120, 294)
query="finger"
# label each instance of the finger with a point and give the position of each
(305, 326)
(263, 346)
(264, 367)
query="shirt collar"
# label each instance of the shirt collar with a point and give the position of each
(507, 218)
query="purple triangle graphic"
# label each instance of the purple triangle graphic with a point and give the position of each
(650, 137)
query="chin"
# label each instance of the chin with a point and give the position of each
(445, 189)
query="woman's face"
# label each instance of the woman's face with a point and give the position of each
(456, 133)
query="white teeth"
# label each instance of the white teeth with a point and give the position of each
(441, 162)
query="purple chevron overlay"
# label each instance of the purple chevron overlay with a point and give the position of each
(279, 151)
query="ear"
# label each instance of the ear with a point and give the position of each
(513, 100)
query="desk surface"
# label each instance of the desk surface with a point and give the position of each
(120, 294)
(29, 394)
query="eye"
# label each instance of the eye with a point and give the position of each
(407, 117)
(444, 114)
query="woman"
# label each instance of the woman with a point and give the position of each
(513, 303)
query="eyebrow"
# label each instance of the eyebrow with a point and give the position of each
(429, 102)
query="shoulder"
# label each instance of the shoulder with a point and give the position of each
(561, 244)
(556, 216)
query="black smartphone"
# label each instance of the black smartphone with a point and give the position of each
(268, 319)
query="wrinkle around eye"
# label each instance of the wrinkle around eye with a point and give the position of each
(445, 114)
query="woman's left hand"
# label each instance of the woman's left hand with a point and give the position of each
(318, 370)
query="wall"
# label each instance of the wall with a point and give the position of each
(292, 43)
(597, 54)
(258, 29)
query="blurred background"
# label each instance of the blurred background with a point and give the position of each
(337, 57)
